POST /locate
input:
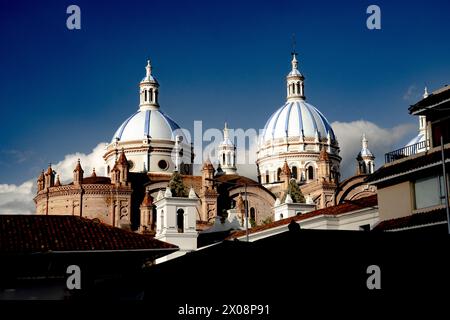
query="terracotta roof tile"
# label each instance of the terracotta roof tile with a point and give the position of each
(417, 219)
(345, 207)
(40, 233)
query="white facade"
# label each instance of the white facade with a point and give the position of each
(289, 209)
(151, 140)
(296, 132)
(176, 221)
(347, 221)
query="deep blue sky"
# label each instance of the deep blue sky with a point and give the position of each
(64, 91)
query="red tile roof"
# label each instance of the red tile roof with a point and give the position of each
(41, 233)
(416, 219)
(345, 207)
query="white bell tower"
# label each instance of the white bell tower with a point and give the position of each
(226, 152)
(176, 220)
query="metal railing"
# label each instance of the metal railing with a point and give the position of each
(406, 151)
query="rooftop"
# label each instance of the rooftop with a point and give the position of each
(345, 207)
(46, 233)
(435, 216)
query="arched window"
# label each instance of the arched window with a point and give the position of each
(294, 172)
(278, 174)
(298, 87)
(267, 176)
(281, 216)
(252, 214)
(223, 158)
(156, 96)
(363, 167)
(108, 169)
(145, 94)
(150, 95)
(310, 173)
(180, 220)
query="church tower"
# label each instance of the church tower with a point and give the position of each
(365, 159)
(78, 174)
(208, 193)
(226, 152)
(49, 177)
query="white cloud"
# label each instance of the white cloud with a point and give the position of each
(88, 161)
(18, 199)
(381, 140)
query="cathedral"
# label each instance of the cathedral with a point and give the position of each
(297, 146)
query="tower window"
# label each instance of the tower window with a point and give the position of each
(278, 174)
(223, 159)
(145, 93)
(180, 220)
(267, 176)
(294, 172)
(253, 215)
(310, 173)
(150, 96)
(298, 87)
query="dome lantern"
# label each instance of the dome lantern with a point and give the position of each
(148, 90)
(295, 82)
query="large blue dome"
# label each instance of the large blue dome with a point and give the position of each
(153, 124)
(294, 117)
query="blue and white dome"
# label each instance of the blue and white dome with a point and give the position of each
(294, 117)
(152, 124)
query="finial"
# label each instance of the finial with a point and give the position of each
(148, 68)
(364, 141)
(425, 92)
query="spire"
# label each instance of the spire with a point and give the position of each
(425, 93)
(57, 183)
(294, 62)
(78, 174)
(122, 158)
(295, 81)
(364, 141)
(148, 200)
(49, 169)
(225, 132)
(41, 176)
(78, 167)
(286, 170)
(148, 90)
(148, 70)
